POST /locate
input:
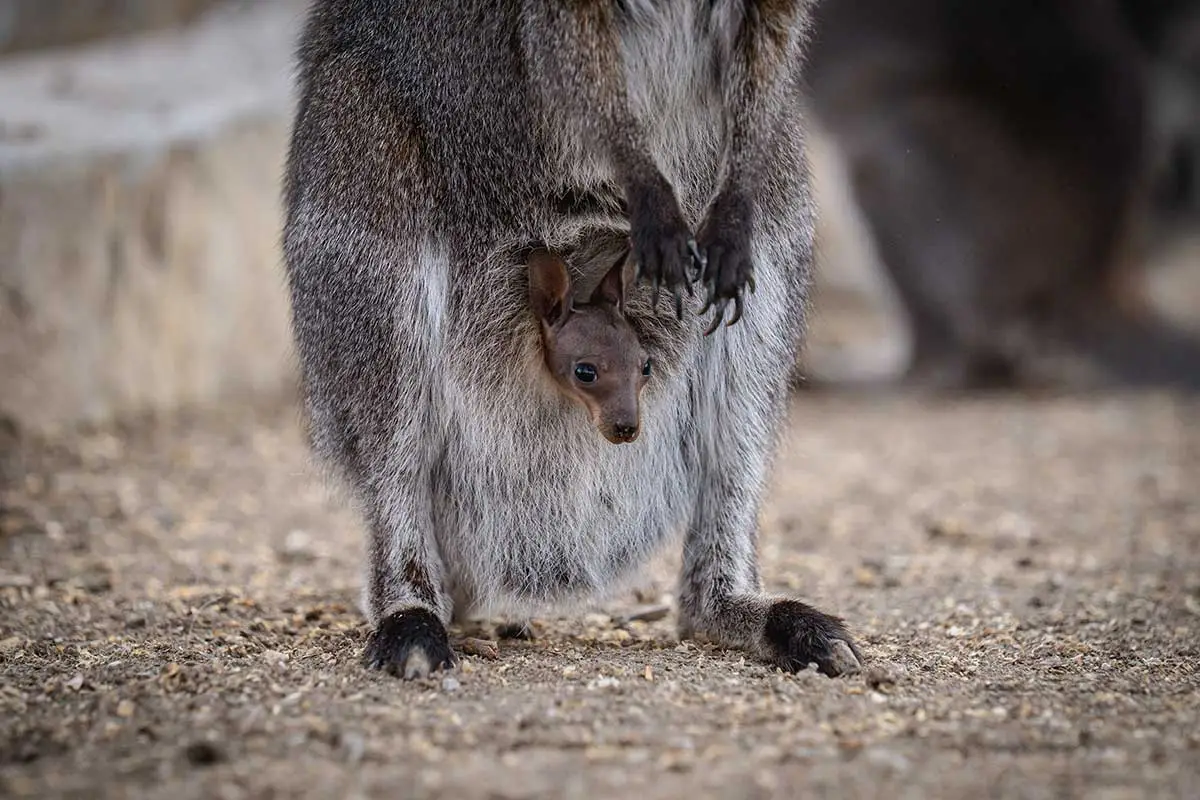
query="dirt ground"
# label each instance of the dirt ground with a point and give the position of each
(178, 619)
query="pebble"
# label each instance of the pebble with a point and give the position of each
(889, 759)
(96, 579)
(297, 548)
(202, 754)
(354, 746)
(484, 648)
(652, 613)
(450, 684)
(9, 580)
(882, 675)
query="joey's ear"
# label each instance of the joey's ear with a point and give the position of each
(611, 289)
(549, 287)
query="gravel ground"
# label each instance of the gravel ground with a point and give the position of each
(178, 619)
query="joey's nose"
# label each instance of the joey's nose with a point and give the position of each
(625, 433)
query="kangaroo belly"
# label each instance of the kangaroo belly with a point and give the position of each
(533, 506)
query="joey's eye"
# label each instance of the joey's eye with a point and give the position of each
(585, 373)
(646, 368)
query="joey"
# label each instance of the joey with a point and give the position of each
(590, 349)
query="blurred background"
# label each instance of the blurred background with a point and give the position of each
(1008, 195)
(1017, 182)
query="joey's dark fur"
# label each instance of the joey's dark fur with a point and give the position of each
(434, 144)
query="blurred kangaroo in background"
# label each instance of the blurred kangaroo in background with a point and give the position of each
(997, 150)
(434, 144)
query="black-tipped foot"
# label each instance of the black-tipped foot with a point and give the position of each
(409, 644)
(800, 635)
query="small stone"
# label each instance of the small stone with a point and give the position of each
(865, 577)
(651, 613)
(297, 548)
(10, 644)
(882, 675)
(10, 581)
(202, 754)
(125, 709)
(483, 648)
(889, 759)
(948, 530)
(450, 684)
(354, 746)
(274, 657)
(522, 631)
(95, 580)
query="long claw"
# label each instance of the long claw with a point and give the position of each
(654, 296)
(737, 310)
(678, 305)
(718, 315)
(699, 262)
(708, 302)
(750, 281)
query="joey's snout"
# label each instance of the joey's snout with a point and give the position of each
(621, 433)
(618, 416)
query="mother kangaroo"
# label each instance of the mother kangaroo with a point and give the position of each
(434, 144)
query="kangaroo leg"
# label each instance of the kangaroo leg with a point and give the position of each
(406, 598)
(369, 389)
(406, 592)
(368, 296)
(738, 401)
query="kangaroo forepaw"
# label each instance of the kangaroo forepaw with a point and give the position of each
(798, 635)
(663, 247)
(409, 644)
(727, 268)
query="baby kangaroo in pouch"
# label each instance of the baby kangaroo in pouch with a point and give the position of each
(590, 349)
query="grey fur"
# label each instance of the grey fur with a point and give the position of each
(433, 145)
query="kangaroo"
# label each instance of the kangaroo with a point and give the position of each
(432, 144)
(590, 350)
(1027, 152)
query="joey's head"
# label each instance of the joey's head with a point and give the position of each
(590, 348)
